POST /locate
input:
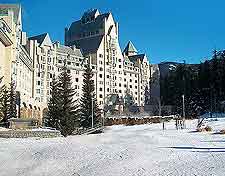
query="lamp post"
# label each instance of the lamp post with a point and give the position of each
(183, 110)
(183, 106)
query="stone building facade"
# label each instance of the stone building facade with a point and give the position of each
(31, 62)
(97, 36)
(16, 63)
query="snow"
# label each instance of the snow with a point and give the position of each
(4, 129)
(143, 150)
(44, 129)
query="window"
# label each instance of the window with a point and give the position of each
(135, 87)
(100, 55)
(120, 91)
(119, 84)
(68, 71)
(42, 50)
(107, 76)
(125, 73)
(100, 75)
(120, 60)
(100, 62)
(125, 79)
(69, 63)
(135, 81)
(100, 89)
(125, 85)
(76, 79)
(130, 86)
(119, 66)
(130, 80)
(100, 96)
(39, 83)
(107, 89)
(101, 69)
(38, 91)
(59, 61)
(135, 93)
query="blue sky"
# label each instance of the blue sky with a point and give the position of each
(166, 30)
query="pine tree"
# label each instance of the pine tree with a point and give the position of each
(53, 118)
(4, 106)
(12, 101)
(1, 98)
(129, 103)
(67, 106)
(88, 101)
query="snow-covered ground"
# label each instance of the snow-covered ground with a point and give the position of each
(142, 150)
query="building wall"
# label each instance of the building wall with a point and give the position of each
(17, 64)
(115, 74)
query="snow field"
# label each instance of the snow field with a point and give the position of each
(141, 150)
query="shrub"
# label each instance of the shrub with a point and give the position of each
(222, 131)
(208, 128)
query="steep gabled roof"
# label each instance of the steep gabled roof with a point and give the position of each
(90, 13)
(89, 45)
(129, 48)
(134, 58)
(69, 50)
(42, 39)
(77, 28)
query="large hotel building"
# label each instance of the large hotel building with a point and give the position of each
(32, 61)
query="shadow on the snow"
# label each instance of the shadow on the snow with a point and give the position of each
(215, 141)
(194, 131)
(209, 151)
(196, 148)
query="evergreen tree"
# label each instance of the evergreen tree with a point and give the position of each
(12, 101)
(67, 106)
(4, 106)
(129, 103)
(88, 101)
(53, 117)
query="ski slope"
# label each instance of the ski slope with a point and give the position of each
(144, 150)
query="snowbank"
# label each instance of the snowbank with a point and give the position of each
(142, 150)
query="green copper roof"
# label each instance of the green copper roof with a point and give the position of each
(130, 48)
